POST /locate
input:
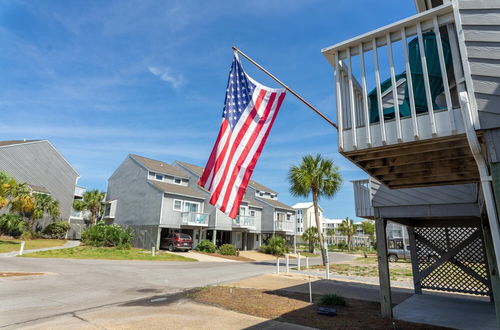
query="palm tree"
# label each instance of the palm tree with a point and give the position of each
(330, 232)
(44, 204)
(92, 202)
(316, 176)
(311, 237)
(23, 201)
(348, 228)
(8, 189)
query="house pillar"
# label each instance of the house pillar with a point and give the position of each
(245, 240)
(383, 269)
(414, 261)
(492, 267)
(214, 236)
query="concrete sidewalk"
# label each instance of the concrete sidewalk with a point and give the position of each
(202, 257)
(170, 312)
(69, 244)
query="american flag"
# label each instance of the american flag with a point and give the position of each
(249, 112)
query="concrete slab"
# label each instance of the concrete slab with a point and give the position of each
(202, 257)
(447, 311)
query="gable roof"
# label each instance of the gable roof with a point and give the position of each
(198, 170)
(276, 204)
(158, 166)
(252, 203)
(261, 187)
(13, 142)
(305, 205)
(176, 189)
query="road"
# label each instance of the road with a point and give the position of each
(75, 285)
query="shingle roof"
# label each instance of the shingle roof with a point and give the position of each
(12, 142)
(158, 166)
(259, 186)
(252, 203)
(277, 204)
(176, 189)
(195, 168)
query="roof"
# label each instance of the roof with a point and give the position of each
(277, 204)
(305, 205)
(252, 203)
(194, 168)
(39, 189)
(176, 189)
(259, 186)
(327, 220)
(158, 166)
(13, 142)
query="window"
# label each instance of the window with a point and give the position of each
(191, 207)
(280, 216)
(177, 205)
(252, 213)
(177, 181)
(288, 216)
(242, 210)
(159, 177)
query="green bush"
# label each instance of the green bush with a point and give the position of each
(332, 299)
(56, 229)
(342, 246)
(228, 250)
(102, 235)
(206, 246)
(276, 245)
(12, 225)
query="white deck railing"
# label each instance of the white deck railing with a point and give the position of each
(363, 198)
(244, 221)
(352, 79)
(194, 219)
(283, 225)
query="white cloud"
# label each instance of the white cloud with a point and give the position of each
(165, 74)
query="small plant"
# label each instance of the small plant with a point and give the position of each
(331, 299)
(56, 229)
(12, 225)
(342, 246)
(102, 235)
(276, 246)
(228, 250)
(206, 246)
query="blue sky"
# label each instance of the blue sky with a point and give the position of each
(102, 79)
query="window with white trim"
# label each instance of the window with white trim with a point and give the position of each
(177, 205)
(252, 213)
(159, 177)
(191, 207)
(177, 181)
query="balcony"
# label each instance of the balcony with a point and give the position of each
(244, 221)
(398, 110)
(194, 219)
(79, 191)
(363, 199)
(286, 226)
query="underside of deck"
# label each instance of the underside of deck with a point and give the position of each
(440, 161)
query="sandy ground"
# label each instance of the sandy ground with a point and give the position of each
(162, 314)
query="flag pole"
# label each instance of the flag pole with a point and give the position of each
(286, 87)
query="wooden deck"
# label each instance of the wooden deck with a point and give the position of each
(446, 160)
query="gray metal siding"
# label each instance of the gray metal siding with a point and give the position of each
(481, 27)
(38, 163)
(138, 202)
(171, 217)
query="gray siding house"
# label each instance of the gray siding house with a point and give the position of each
(39, 164)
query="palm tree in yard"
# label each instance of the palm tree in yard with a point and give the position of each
(92, 202)
(311, 237)
(8, 188)
(330, 232)
(348, 228)
(44, 204)
(319, 177)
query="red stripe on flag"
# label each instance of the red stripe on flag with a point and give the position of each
(236, 142)
(213, 155)
(251, 166)
(246, 151)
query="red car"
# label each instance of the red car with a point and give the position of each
(177, 241)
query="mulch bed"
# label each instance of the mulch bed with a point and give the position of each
(295, 308)
(12, 274)
(237, 258)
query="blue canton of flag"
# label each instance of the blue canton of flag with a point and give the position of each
(238, 94)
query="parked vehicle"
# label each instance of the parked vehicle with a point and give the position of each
(396, 250)
(177, 241)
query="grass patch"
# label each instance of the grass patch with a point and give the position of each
(402, 273)
(10, 244)
(308, 254)
(87, 252)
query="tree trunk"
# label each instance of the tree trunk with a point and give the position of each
(318, 225)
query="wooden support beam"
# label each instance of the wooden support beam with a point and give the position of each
(414, 261)
(410, 150)
(432, 181)
(383, 269)
(430, 174)
(442, 166)
(394, 185)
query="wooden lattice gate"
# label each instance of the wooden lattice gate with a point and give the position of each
(450, 259)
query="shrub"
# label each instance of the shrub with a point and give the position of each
(228, 250)
(56, 229)
(102, 235)
(331, 299)
(342, 246)
(12, 225)
(206, 246)
(276, 245)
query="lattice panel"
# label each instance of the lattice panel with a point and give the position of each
(452, 259)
